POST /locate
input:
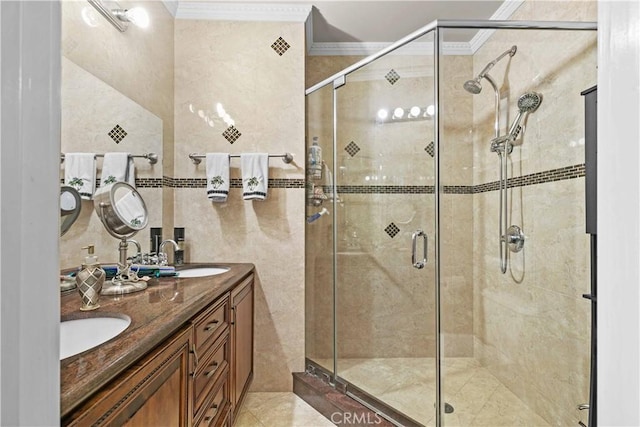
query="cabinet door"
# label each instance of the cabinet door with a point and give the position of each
(241, 341)
(151, 393)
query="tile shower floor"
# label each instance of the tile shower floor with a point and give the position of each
(408, 385)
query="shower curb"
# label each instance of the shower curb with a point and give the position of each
(337, 407)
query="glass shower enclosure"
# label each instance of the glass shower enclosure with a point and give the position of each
(446, 253)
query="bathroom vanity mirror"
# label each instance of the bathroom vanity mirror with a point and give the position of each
(121, 209)
(70, 206)
(115, 97)
(123, 213)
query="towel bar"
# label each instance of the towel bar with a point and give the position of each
(197, 158)
(151, 157)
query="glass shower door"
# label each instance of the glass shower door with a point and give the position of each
(515, 342)
(384, 172)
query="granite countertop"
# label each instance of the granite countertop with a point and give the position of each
(156, 313)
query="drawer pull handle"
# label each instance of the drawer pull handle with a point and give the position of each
(214, 368)
(195, 355)
(209, 418)
(211, 325)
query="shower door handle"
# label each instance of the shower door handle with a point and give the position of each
(414, 239)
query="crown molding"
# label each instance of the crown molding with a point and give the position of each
(366, 49)
(171, 6)
(503, 13)
(263, 12)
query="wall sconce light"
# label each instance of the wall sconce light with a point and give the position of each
(120, 18)
(405, 114)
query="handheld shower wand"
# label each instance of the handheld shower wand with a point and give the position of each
(527, 103)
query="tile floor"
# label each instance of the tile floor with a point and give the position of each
(408, 385)
(278, 410)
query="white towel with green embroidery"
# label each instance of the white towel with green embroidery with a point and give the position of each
(80, 173)
(118, 167)
(217, 171)
(255, 175)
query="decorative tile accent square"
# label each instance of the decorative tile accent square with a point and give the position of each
(280, 46)
(117, 134)
(430, 149)
(231, 134)
(392, 230)
(352, 148)
(392, 76)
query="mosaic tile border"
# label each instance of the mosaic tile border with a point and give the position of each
(560, 174)
(568, 172)
(140, 182)
(234, 183)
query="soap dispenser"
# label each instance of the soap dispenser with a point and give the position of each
(90, 279)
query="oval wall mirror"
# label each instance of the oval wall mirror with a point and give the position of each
(123, 213)
(70, 206)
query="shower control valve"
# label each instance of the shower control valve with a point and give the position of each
(514, 238)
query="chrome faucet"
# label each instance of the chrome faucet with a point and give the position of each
(138, 255)
(162, 255)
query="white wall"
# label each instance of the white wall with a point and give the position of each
(618, 213)
(29, 191)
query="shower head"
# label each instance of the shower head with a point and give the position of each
(473, 86)
(527, 103)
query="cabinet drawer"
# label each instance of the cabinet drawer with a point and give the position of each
(213, 364)
(210, 324)
(217, 408)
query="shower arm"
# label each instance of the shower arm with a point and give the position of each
(490, 65)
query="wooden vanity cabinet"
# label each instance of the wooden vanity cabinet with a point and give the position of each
(242, 307)
(198, 377)
(152, 392)
(210, 375)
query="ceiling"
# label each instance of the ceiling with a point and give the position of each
(352, 27)
(388, 21)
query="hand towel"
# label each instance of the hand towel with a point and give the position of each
(217, 177)
(255, 175)
(118, 167)
(80, 173)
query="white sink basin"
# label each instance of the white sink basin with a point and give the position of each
(201, 271)
(80, 335)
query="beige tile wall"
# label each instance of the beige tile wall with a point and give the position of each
(531, 325)
(232, 63)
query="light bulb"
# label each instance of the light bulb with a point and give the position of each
(431, 110)
(383, 114)
(138, 16)
(415, 111)
(398, 113)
